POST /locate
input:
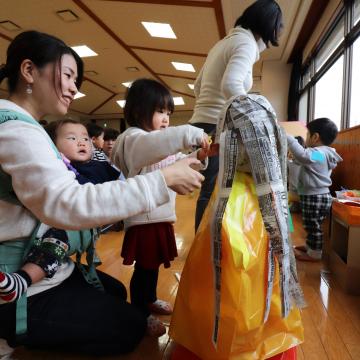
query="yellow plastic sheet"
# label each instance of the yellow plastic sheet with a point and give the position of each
(242, 333)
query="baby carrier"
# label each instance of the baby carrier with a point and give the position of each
(12, 253)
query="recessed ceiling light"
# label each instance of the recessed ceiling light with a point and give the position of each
(183, 66)
(127, 84)
(191, 86)
(67, 15)
(179, 100)
(79, 95)
(121, 103)
(9, 25)
(159, 30)
(84, 51)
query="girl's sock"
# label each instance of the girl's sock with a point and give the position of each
(13, 285)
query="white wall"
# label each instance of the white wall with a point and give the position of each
(275, 82)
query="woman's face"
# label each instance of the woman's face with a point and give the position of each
(55, 97)
(73, 141)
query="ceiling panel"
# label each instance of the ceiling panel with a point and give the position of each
(180, 85)
(185, 21)
(161, 62)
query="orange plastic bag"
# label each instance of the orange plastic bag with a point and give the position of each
(242, 333)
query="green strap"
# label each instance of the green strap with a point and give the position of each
(89, 270)
(11, 256)
(6, 190)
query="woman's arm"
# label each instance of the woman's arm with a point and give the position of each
(49, 191)
(197, 84)
(143, 148)
(303, 156)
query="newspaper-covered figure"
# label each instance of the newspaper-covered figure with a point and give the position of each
(251, 140)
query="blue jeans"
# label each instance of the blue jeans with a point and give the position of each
(210, 175)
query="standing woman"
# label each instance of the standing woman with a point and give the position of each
(64, 312)
(227, 72)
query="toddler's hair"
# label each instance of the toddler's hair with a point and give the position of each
(111, 134)
(143, 98)
(326, 129)
(94, 130)
(53, 128)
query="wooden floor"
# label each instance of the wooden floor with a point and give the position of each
(331, 320)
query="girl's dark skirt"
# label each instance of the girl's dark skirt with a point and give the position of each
(150, 245)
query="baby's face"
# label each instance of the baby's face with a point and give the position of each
(73, 141)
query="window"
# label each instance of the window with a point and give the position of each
(328, 93)
(335, 39)
(306, 78)
(355, 86)
(303, 105)
(356, 11)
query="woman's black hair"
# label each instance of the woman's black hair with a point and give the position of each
(41, 49)
(143, 98)
(264, 18)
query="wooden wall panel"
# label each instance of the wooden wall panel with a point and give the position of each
(347, 173)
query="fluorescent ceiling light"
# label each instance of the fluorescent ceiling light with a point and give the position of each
(84, 51)
(159, 30)
(191, 86)
(179, 100)
(121, 103)
(127, 84)
(79, 95)
(183, 66)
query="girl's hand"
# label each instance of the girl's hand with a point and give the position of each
(212, 151)
(205, 143)
(181, 178)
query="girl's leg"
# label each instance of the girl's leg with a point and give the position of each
(143, 287)
(74, 316)
(143, 293)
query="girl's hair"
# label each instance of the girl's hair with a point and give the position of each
(41, 49)
(143, 98)
(264, 18)
(53, 128)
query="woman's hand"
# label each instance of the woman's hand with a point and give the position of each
(181, 178)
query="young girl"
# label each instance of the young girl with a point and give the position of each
(149, 144)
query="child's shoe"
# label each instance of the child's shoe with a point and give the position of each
(155, 327)
(160, 307)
